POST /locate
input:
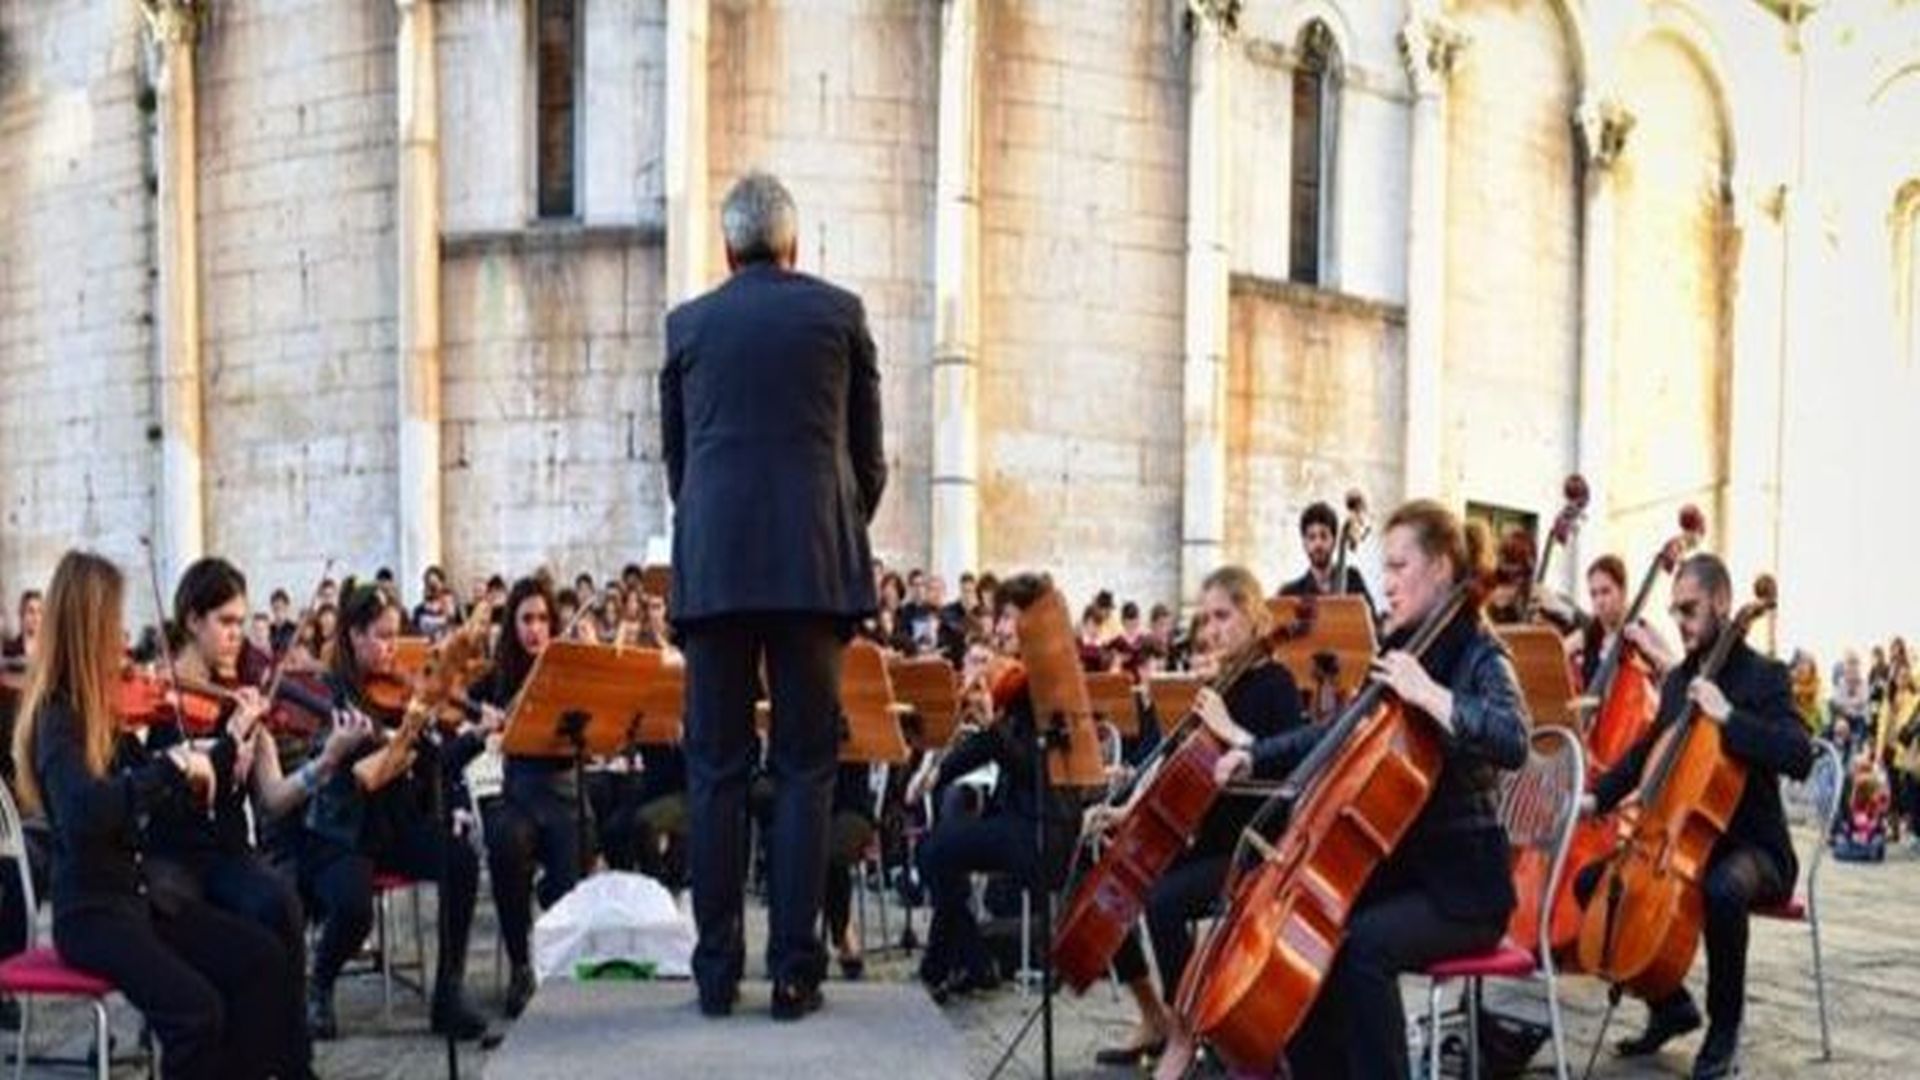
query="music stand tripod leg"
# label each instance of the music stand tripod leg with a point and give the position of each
(573, 724)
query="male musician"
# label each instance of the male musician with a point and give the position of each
(1319, 533)
(1753, 864)
(771, 432)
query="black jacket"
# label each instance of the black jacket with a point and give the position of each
(1307, 585)
(771, 434)
(1457, 849)
(1763, 731)
(1266, 702)
(96, 819)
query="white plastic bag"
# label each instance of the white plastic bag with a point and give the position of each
(614, 916)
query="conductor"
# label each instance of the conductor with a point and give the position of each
(770, 420)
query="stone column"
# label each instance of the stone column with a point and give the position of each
(955, 529)
(1428, 45)
(418, 230)
(1603, 124)
(175, 26)
(1203, 518)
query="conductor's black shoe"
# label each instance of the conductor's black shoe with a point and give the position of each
(719, 1001)
(1130, 1057)
(791, 1001)
(1664, 1024)
(1718, 1056)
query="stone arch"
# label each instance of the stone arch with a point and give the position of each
(1298, 16)
(1512, 302)
(1668, 403)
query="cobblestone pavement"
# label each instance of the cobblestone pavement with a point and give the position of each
(1871, 940)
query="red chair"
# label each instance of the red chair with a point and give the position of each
(1540, 808)
(39, 972)
(1815, 803)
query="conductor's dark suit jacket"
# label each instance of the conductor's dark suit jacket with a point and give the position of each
(770, 419)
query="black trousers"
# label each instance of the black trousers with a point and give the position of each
(339, 880)
(13, 902)
(240, 883)
(1186, 892)
(532, 824)
(209, 983)
(960, 847)
(1357, 1028)
(802, 656)
(1739, 878)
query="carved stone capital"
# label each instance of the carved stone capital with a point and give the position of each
(1604, 124)
(1429, 46)
(174, 22)
(1220, 16)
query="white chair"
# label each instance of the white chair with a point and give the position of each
(1816, 803)
(1540, 807)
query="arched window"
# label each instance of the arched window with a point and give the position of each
(556, 106)
(1316, 111)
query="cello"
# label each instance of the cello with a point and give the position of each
(1255, 977)
(1642, 927)
(1173, 800)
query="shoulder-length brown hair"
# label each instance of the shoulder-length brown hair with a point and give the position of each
(77, 662)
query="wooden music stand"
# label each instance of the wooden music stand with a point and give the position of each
(1339, 627)
(928, 684)
(1172, 697)
(873, 735)
(1112, 697)
(1058, 688)
(1546, 677)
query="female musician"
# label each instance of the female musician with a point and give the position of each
(1607, 589)
(536, 816)
(1265, 698)
(1752, 863)
(211, 985)
(193, 857)
(1446, 890)
(398, 828)
(852, 830)
(1001, 839)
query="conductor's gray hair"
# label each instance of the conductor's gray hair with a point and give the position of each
(759, 219)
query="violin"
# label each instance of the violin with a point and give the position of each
(1642, 927)
(424, 702)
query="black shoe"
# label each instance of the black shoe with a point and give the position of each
(520, 987)
(1130, 1057)
(791, 1001)
(719, 1002)
(321, 1025)
(1664, 1024)
(853, 968)
(1718, 1052)
(456, 1020)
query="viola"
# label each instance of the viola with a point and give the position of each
(1256, 975)
(1642, 927)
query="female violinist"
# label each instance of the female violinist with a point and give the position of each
(1261, 700)
(1752, 863)
(399, 827)
(536, 818)
(211, 985)
(1445, 888)
(193, 857)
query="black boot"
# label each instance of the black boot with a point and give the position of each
(321, 1024)
(1717, 1055)
(1672, 1018)
(520, 987)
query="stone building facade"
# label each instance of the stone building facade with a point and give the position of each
(384, 279)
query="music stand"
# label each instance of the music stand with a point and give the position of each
(1546, 677)
(1113, 700)
(873, 735)
(583, 699)
(1327, 642)
(1172, 698)
(928, 684)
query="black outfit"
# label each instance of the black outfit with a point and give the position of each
(399, 829)
(1753, 863)
(1000, 839)
(1446, 890)
(1266, 702)
(535, 821)
(852, 830)
(1307, 585)
(771, 432)
(210, 984)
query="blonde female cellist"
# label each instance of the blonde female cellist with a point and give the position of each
(1750, 699)
(1445, 889)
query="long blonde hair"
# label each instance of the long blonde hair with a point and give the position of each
(76, 662)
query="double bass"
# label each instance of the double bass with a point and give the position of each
(1642, 926)
(1256, 976)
